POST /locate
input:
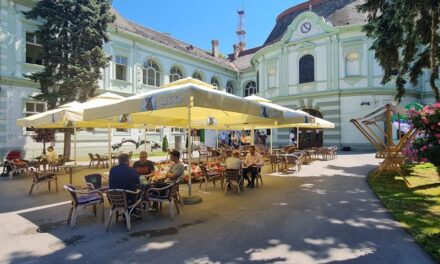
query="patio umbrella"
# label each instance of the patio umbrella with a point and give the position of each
(186, 103)
(71, 115)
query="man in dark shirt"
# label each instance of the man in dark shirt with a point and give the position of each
(144, 166)
(122, 176)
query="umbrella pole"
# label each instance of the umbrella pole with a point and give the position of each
(252, 136)
(216, 140)
(271, 141)
(109, 138)
(74, 143)
(297, 137)
(145, 137)
(189, 149)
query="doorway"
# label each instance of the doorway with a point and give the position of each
(308, 137)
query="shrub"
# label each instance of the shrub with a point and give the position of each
(164, 144)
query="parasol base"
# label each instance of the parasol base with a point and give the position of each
(188, 200)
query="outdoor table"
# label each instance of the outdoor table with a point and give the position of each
(70, 166)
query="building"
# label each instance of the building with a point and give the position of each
(316, 58)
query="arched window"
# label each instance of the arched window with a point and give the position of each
(198, 76)
(250, 88)
(306, 69)
(352, 64)
(215, 82)
(230, 87)
(151, 73)
(175, 74)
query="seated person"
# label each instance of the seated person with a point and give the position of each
(176, 171)
(144, 167)
(252, 163)
(122, 176)
(234, 162)
(51, 155)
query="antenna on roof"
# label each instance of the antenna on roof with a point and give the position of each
(241, 32)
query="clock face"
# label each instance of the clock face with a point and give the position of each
(306, 27)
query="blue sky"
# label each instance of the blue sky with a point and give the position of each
(197, 22)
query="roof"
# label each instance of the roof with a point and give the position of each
(167, 40)
(337, 12)
(243, 61)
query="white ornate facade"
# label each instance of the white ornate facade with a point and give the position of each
(316, 59)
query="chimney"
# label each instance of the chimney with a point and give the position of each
(214, 49)
(242, 45)
(236, 51)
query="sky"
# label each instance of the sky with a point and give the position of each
(197, 22)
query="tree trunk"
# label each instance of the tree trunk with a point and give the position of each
(433, 55)
(44, 147)
(67, 141)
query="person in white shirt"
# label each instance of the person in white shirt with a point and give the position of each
(248, 139)
(292, 140)
(251, 164)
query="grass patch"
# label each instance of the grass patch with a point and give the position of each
(416, 206)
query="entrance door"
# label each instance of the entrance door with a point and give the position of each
(309, 138)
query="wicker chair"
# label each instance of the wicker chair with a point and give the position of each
(274, 162)
(93, 160)
(234, 179)
(103, 160)
(292, 162)
(299, 156)
(42, 177)
(208, 176)
(169, 193)
(81, 199)
(118, 203)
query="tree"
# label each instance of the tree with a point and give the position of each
(164, 144)
(406, 39)
(43, 135)
(72, 35)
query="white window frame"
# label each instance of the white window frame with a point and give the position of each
(27, 113)
(119, 61)
(248, 88)
(230, 87)
(178, 130)
(151, 65)
(33, 42)
(175, 72)
(153, 130)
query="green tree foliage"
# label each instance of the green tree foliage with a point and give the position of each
(406, 38)
(164, 144)
(44, 135)
(72, 34)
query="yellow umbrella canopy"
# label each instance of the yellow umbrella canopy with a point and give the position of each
(172, 105)
(71, 114)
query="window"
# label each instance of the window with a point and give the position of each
(306, 69)
(214, 81)
(352, 64)
(151, 73)
(175, 74)
(32, 108)
(197, 76)
(152, 130)
(121, 130)
(230, 87)
(33, 49)
(121, 68)
(177, 130)
(250, 88)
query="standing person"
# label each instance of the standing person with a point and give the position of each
(292, 140)
(251, 164)
(263, 138)
(230, 139)
(234, 139)
(144, 167)
(248, 139)
(122, 176)
(243, 139)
